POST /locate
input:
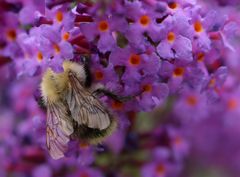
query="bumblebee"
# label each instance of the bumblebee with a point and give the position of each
(73, 109)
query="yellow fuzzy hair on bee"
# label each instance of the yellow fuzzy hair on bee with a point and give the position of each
(76, 68)
(61, 81)
(48, 87)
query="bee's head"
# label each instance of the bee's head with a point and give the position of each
(76, 68)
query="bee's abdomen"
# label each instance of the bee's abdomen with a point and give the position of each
(92, 135)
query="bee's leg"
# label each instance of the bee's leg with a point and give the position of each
(103, 92)
(86, 63)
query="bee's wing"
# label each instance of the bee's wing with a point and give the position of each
(59, 128)
(84, 107)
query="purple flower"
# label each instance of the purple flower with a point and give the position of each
(44, 47)
(178, 142)
(191, 106)
(103, 28)
(160, 165)
(153, 94)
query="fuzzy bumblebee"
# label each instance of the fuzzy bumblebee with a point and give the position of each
(73, 111)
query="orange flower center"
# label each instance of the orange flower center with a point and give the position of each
(39, 56)
(160, 169)
(147, 88)
(59, 16)
(178, 72)
(135, 59)
(198, 26)
(172, 5)
(200, 57)
(212, 82)
(171, 37)
(56, 48)
(11, 35)
(144, 20)
(117, 105)
(191, 100)
(103, 26)
(99, 75)
(232, 104)
(178, 140)
(66, 36)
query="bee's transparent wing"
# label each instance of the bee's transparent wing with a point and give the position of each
(84, 107)
(59, 128)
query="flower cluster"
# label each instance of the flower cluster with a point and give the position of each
(147, 47)
(176, 57)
